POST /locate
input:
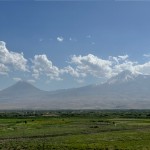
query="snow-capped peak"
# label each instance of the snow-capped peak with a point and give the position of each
(122, 77)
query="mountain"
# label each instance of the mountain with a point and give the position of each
(124, 91)
(21, 87)
(20, 95)
(124, 76)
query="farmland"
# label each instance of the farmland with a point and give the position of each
(70, 130)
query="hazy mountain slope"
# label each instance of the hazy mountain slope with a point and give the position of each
(20, 95)
(131, 93)
(126, 90)
(21, 87)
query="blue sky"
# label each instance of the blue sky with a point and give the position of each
(70, 44)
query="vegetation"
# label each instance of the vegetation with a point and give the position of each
(75, 130)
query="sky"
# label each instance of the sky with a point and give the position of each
(67, 44)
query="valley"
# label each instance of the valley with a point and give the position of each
(75, 129)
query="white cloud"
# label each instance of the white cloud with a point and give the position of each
(143, 68)
(121, 63)
(124, 57)
(126, 65)
(73, 72)
(14, 59)
(92, 65)
(43, 66)
(79, 67)
(118, 59)
(3, 69)
(83, 66)
(146, 55)
(60, 39)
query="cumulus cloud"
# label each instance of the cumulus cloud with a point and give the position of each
(13, 59)
(118, 59)
(79, 67)
(83, 66)
(124, 57)
(73, 72)
(143, 68)
(92, 65)
(60, 39)
(126, 65)
(43, 66)
(3, 69)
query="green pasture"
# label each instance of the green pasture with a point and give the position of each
(74, 133)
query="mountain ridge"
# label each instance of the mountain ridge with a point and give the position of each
(131, 94)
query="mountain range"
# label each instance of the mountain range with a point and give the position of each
(124, 91)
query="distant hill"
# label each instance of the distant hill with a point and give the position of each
(124, 91)
(21, 87)
(20, 95)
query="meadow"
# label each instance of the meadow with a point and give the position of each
(75, 130)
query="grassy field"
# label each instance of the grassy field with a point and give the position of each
(75, 130)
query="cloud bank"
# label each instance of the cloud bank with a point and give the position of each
(79, 67)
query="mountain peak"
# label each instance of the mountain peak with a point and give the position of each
(22, 87)
(23, 84)
(122, 77)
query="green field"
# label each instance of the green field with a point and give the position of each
(70, 130)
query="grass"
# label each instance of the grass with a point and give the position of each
(75, 133)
